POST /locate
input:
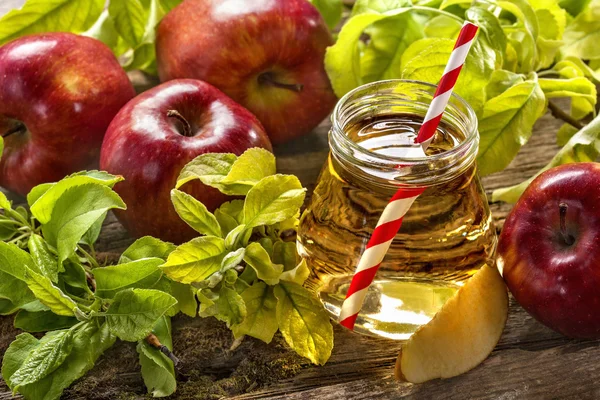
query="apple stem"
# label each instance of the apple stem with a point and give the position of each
(267, 78)
(568, 239)
(187, 129)
(18, 128)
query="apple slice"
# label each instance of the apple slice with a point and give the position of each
(461, 335)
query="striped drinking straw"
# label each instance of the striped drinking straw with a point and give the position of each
(391, 219)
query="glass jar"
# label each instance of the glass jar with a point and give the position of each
(447, 234)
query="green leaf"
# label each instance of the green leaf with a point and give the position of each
(196, 260)
(229, 215)
(491, 36)
(13, 286)
(274, 199)
(230, 306)
(233, 259)
(502, 80)
(574, 87)
(50, 295)
(249, 168)
(574, 7)
(331, 11)
(303, 322)
(142, 274)
(297, 275)
(584, 146)
(258, 258)
(230, 174)
(105, 31)
(157, 369)
(90, 237)
(195, 214)
(186, 298)
(507, 124)
(381, 57)
(37, 192)
(74, 213)
(564, 134)
(582, 35)
(238, 237)
(133, 312)
(284, 253)
(8, 229)
(147, 247)
(74, 278)
(342, 60)
(44, 359)
(207, 299)
(4, 202)
(426, 59)
(209, 168)
(38, 16)
(42, 321)
(89, 342)
(442, 26)
(261, 317)
(42, 257)
(168, 5)
(16, 354)
(129, 18)
(44, 199)
(378, 6)
(580, 89)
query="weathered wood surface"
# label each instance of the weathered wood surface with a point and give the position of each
(530, 361)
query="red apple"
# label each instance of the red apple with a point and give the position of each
(265, 54)
(58, 94)
(549, 250)
(156, 134)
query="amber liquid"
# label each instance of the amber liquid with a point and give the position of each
(445, 237)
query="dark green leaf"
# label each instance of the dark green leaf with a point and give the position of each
(89, 342)
(44, 359)
(42, 321)
(74, 213)
(157, 369)
(141, 274)
(331, 11)
(13, 287)
(133, 312)
(230, 306)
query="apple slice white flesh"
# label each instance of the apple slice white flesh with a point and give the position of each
(461, 335)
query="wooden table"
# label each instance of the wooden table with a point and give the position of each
(530, 361)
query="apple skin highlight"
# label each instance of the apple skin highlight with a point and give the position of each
(267, 55)
(145, 143)
(556, 278)
(58, 94)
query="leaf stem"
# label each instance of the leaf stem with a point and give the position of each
(560, 114)
(88, 256)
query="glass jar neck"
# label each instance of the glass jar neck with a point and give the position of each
(404, 97)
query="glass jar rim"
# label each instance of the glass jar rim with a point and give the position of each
(338, 129)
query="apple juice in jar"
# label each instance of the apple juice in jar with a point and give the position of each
(447, 234)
